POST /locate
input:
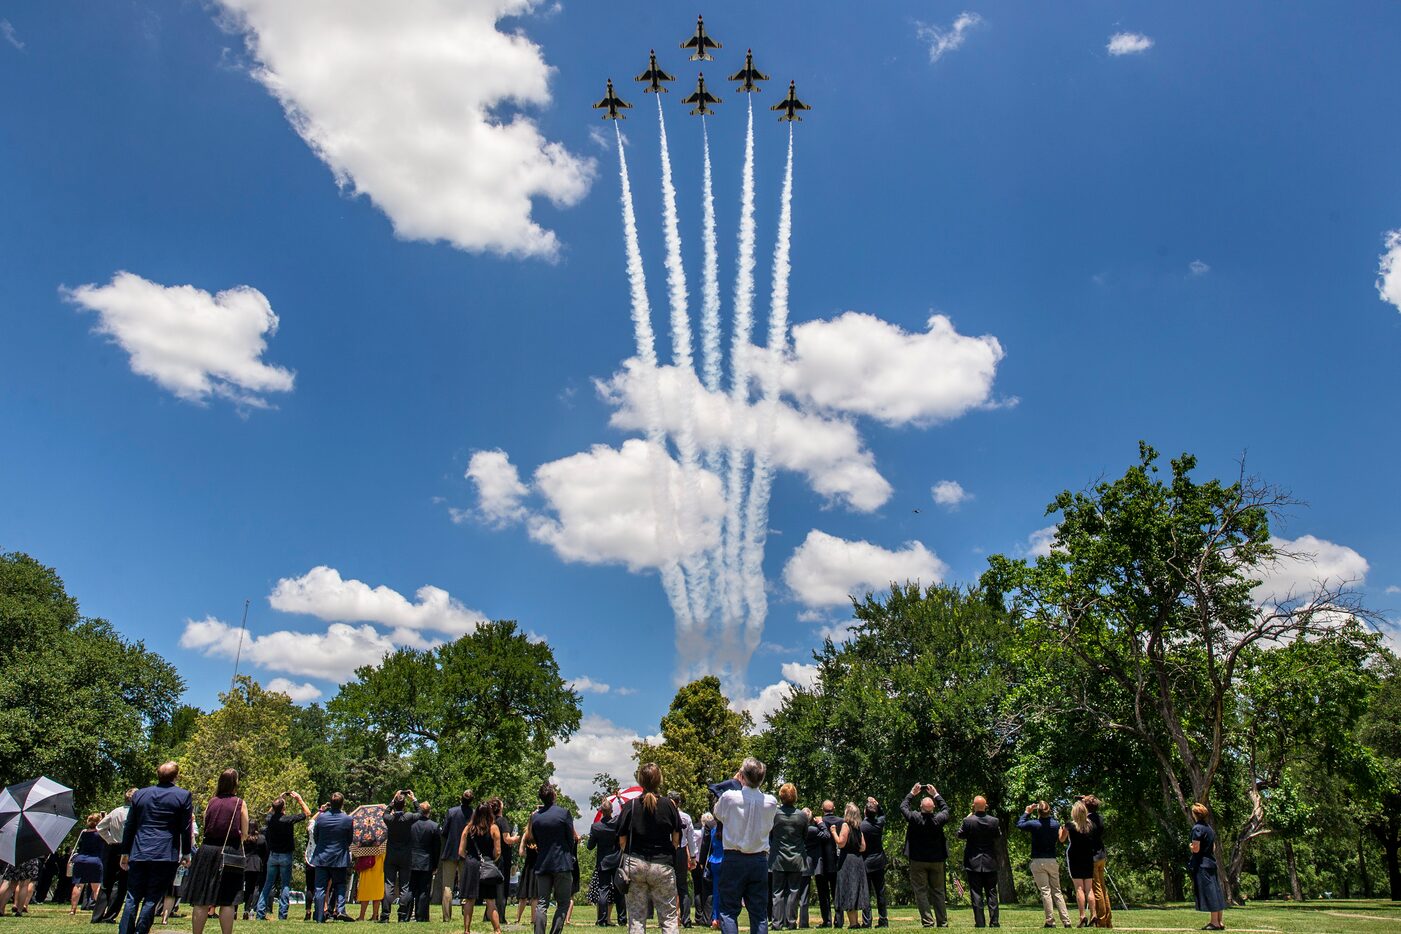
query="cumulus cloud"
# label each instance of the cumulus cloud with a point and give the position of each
(827, 452)
(949, 493)
(1128, 43)
(599, 508)
(1038, 543)
(858, 364)
(599, 745)
(333, 655)
(827, 570)
(189, 342)
(1393, 589)
(942, 40)
(1389, 270)
(587, 685)
(771, 697)
(1198, 268)
(1305, 565)
(323, 593)
(499, 487)
(407, 103)
(303, 693)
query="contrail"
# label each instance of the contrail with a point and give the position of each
(710, 283)
(757, 510)
(673, 581)
(693, 563)
(739, 389)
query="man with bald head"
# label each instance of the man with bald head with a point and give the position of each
(156, 838)
(928, 852)
(826, 874)
(979, 833)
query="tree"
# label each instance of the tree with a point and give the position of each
(480, 712)
(1149, 585)
(703, 740)
(1380, 730)
(250, 732)
(78, 703)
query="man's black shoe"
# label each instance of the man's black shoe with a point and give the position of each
(883, 923)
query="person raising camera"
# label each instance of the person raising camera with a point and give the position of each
(928, 851)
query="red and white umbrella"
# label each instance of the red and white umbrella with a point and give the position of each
(615, 802)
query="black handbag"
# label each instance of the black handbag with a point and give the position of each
(620, 875)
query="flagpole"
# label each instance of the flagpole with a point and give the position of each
(242, 628)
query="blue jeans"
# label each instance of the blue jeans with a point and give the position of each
(279, 879)
(745, 879)
(332, 878)
(146, 885)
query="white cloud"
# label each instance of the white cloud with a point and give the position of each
(838, 632)
(321, 592)
(499, 487)
(7, 30)
(408, 103)
(1393, 589)
(599, 745)
(192, 343)
(802, 674)
(1128, 43)
(1304, 565)
(1038, 543)
(599, 508)
(1198, 268)
(944, 40)
(1389, 270)
(771, 697)
(300, 693)
(587, 685)
(858, 364)
(827, 451)
(949, 493)
(827, 571)
(333, 655)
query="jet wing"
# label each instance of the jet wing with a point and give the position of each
(654, 75)
(750, 74)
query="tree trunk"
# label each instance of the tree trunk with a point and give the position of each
(1393, 870)
(1172, 881)
(1006, 890)
(1295, 891)
(1362, 867)
(1264, 877)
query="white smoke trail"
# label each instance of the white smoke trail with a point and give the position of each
(673, 581)
(757, 509)
(731, 565)
(693, 562)
(710, 283)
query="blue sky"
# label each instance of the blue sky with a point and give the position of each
(1180, 243)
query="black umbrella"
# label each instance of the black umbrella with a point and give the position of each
(35, 816)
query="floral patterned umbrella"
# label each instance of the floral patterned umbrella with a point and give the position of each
(368, 834)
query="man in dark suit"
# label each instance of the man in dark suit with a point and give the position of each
(603, 837)
(456, 821)
(398, 856)
(509, 841)
(423, 859)
(700, 876)
(827, 880)
(331, 858)
(551, 829)
(156, 839)
(928, 852)
(979, 833)
(873, 830)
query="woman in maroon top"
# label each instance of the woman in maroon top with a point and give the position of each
(209, 883)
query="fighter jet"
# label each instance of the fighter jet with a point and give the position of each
(749, 74)
(655, 76)
(700, 98)
(701, 43)
(791, 105)
(613, 103)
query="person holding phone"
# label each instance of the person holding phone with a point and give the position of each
(928, 852)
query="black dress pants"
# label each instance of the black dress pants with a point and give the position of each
(982, 889)
(875, 885)
(826, 889)
(398, 879)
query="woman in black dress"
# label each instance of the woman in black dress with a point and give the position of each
(1202, 867)
(853, 896)
(1080, 860)
(209, 884)
(479, 850)
(87, 862)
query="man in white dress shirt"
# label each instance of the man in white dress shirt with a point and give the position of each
(747, 814)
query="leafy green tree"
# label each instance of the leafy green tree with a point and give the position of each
(1380, 731)
(78, 703)
(480, 713)
(251, 732)
(703, 741)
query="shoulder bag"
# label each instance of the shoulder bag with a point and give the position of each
(620, 875)
(229, 858)
(490, 871)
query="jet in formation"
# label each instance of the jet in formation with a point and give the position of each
(748, 75)
(790, 105)
(654, 76)
(700, 98)
(700, 43)
(613, 103)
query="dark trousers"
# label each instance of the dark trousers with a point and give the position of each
(146, 885)
(875, 885)
(804, 891)
(503, 888)
(330, 887)
(610, 896)
(559, 888)
(744, 880)
(826, 889)
(787, 885)
(420, 884)
(683, 898)
(982, 889)
(113, 881)
(701, 901)
(397, 879)
(928, 884)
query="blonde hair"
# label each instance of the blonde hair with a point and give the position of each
(94, 820)
(1200, 811)
(1080, 817)
(788, 792)
(852, 814)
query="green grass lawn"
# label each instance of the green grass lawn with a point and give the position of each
(1321, 917)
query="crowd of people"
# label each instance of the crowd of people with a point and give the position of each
(750, 851)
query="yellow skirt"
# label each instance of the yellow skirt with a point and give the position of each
(370, 888)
